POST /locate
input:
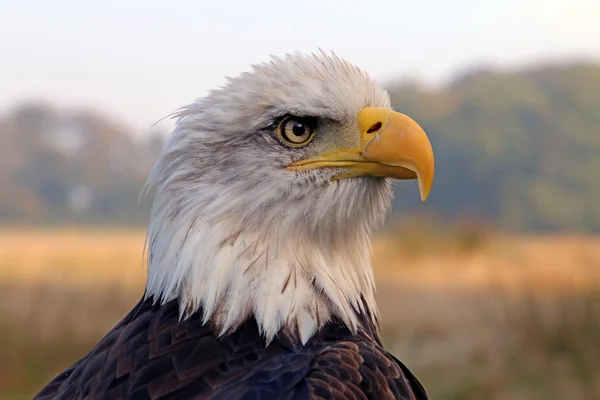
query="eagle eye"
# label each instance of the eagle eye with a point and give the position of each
(296, 131)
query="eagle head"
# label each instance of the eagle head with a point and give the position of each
(268, 191)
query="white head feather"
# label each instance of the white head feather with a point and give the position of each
(236, 234)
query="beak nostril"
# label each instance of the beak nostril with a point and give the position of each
(375, 127)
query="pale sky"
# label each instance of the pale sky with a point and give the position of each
(140, 60)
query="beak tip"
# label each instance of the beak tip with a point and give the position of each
(425, 187)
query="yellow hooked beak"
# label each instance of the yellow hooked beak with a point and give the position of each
(391, 145)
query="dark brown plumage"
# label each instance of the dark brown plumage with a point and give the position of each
(151, 355)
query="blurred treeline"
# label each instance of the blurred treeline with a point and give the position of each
(518, 149)
(71, 167)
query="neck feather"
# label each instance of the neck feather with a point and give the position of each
(277, 274)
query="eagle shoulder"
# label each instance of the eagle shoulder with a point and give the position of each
(361, 369)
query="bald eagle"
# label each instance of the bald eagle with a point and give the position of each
(260, 283)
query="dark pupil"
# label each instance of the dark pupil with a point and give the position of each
(298, 129)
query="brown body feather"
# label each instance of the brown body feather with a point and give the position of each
(150, 354)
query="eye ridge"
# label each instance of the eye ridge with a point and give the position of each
(296, 131)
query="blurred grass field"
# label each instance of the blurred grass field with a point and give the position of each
(475, 314)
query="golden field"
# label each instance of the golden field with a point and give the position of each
(476, 315)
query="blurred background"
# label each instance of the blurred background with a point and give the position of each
(488, 291)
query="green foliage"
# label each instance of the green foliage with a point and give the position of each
(521, 149)
(58, 167)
